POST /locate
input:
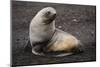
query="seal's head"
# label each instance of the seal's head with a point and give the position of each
(47, 14)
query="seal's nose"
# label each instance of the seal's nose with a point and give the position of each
(54, 15)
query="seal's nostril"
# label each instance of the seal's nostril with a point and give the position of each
(55, 14)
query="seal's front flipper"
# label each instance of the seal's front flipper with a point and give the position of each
(28, 47)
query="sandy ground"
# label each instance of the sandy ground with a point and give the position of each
(75, 19)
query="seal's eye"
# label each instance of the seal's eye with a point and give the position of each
(47, 13)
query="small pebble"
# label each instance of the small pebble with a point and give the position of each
(59, 26)
(74, 20)
(77, 33)
(92, 33)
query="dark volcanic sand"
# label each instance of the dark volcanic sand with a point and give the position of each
(76, 19)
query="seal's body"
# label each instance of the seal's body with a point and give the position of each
(42, 28)
(64, 43)
(45, 39)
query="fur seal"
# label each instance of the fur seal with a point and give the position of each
(46, 39)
